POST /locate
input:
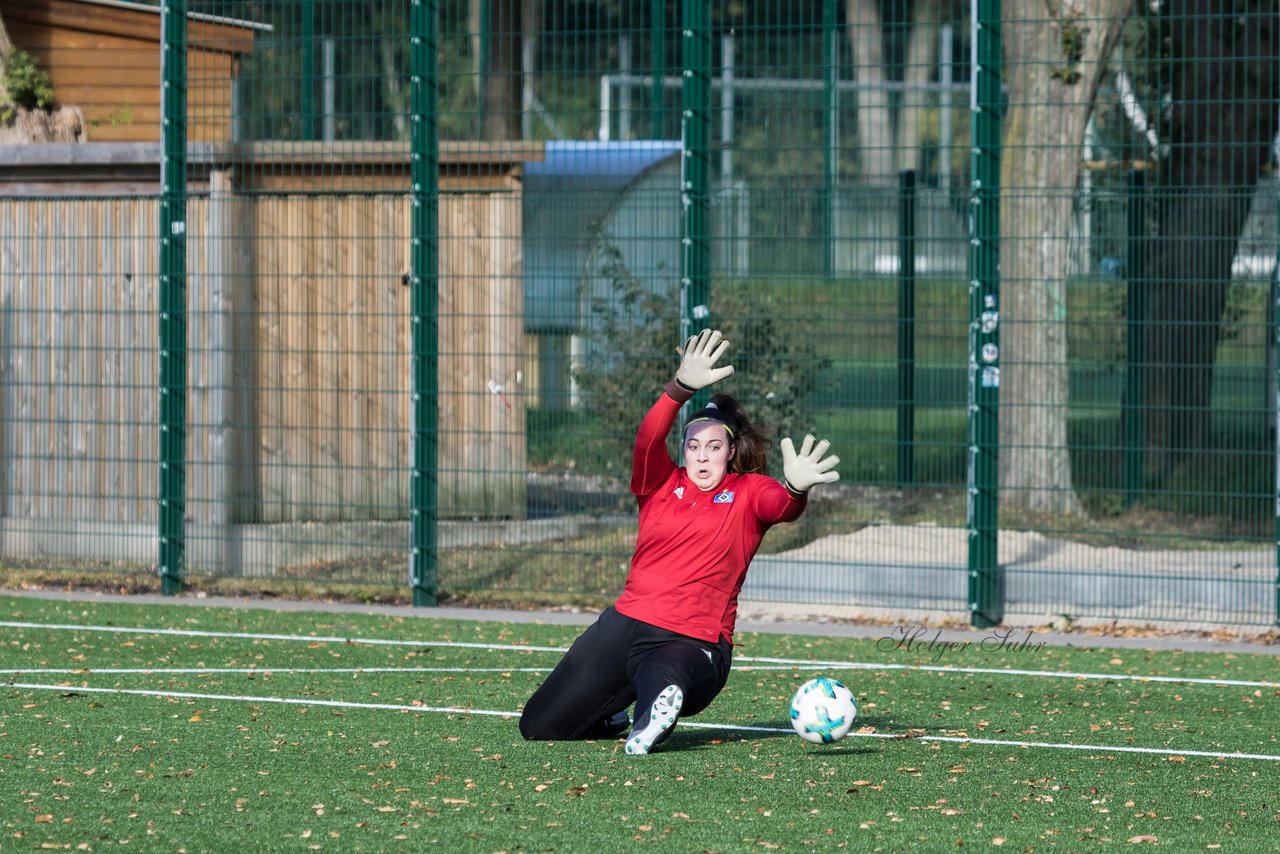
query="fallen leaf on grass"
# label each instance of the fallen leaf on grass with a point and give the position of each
(1135, 840)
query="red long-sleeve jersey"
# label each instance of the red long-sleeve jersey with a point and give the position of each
(694, 547)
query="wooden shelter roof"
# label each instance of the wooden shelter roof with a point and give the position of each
(134, 20)
(134, 168)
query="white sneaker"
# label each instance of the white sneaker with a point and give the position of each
(662, 719)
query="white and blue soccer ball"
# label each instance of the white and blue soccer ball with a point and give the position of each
(823, 710)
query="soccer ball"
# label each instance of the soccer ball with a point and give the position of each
(822, 710)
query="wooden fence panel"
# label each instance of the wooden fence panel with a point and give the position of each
(299, 368)
(482, 440)
(327, 307)
(79, 366)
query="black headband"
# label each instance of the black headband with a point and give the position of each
(711, 412)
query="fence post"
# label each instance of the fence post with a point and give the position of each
(984, 318)
(308, 87)
(695, 171)
(483, 38)
(424, 299)
(173, 296)
(830, 131)
(1275, 314)
(657, 42)
(728, 49)
(1135, 334)
(906, 326)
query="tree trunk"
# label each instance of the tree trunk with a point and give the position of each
(922, 55)
(65, 124)
(875, 131)
(530, 45)
(392, 90)
(1220, 131)
(500, 95)
(1055, 59)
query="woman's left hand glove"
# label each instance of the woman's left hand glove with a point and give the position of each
(808, 468)
(698, 362)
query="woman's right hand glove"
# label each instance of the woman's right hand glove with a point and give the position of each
(698, 363)
(806, 469)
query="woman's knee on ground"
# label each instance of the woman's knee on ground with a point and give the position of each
(536, 725)
(550, 721)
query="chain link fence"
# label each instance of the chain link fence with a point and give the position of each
(374, 294)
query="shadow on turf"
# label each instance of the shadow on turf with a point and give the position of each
(689, 739)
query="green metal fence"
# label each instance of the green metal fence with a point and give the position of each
(375, 293)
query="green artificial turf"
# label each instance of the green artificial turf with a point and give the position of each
(323, 739)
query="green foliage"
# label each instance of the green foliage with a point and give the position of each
(630, 351)
(28, 86)
(1245, 315)
(1073, 37)
(778, 363)
(1143, 56)
(1096, 329)
(121, 116)
(371, 63)
(632, 330)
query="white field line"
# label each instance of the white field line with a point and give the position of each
(997, 671)
(400, 707)
(199, 633)
(256, 671)
(240, 698)
(785, 663)
(795, 666)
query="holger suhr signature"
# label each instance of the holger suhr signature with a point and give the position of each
(923, 639)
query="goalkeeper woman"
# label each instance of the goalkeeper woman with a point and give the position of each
(666, 643)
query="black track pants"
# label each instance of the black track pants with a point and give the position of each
(618, 661)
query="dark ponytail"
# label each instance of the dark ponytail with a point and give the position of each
(751, 454)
